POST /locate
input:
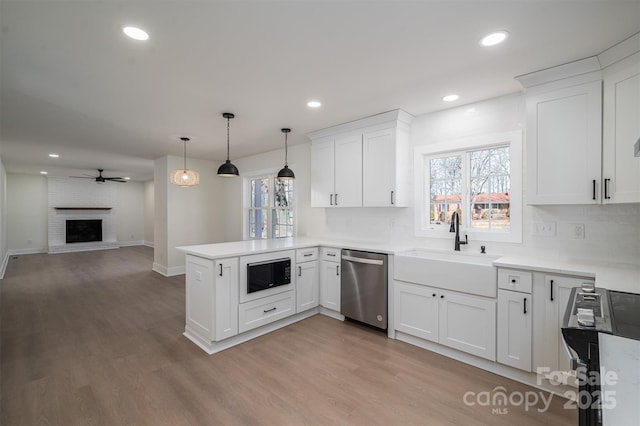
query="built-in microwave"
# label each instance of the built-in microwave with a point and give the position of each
(268, 274)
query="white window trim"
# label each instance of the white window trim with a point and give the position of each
(514, 140)
(246, 188)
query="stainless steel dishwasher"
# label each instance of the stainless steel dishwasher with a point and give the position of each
(363, 287)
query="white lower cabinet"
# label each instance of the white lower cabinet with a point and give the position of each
(416, 310)
(307, 286)
(514, 329)
(457, 320)
(266, 310)
(551, 293)
(211, 298)
(468, 323)
(330, 285)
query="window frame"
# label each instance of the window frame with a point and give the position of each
(270, 174)
(465, 146)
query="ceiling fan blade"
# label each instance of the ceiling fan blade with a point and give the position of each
(115, 179)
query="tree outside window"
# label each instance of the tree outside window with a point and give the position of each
(271, 213)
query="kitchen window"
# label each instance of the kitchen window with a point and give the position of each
(270, 207)
(478, 177)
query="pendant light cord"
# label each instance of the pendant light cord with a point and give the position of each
(184, 141)
(228, 119)
(285, 149)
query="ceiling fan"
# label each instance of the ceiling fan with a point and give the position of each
(101, 179)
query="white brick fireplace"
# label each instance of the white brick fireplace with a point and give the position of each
(73, 199)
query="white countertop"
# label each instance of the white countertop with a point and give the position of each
(620, 277)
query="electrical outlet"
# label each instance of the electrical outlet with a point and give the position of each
(578, 231)
(543, 229)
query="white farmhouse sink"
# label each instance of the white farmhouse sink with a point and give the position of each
(471, 273)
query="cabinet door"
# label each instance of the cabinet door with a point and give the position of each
(307, 289)
(416, 310)
(348, 171)
(557, 290)
(564, 144)
(468, 323)
(199, 297)
(226, 298)
(379, 168)
(330, 285)
(514, 329)
(621, 170)
(322, 176)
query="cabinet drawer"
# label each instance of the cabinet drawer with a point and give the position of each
(330, 254)
(266, 310)
(511, 279)
(306, 255)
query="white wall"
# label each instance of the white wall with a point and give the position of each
(4, 254)
(131, 212)
(27, 210)
(185, 216)
(27, 213)
(612, 232)
(148, 213)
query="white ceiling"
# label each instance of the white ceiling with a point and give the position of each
(73, 84)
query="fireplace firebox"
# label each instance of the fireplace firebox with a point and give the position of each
(84, 230)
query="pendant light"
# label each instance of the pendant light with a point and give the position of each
(184, 177)
(286, 173)
(228, 169)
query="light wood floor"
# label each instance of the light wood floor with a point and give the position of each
(94, 338)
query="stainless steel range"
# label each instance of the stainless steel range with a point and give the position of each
(592, 311)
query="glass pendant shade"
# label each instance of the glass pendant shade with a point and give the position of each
(184, 177)
(286, 173)
(228, 169)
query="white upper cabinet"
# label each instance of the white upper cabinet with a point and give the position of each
(621, 120)
(348, 171)
(384, 167)
(563, 145)
(361, 163)
(322, 166)
(580, 132)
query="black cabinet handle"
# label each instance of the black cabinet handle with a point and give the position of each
(331, 254)
(269, 310)
(307, 254)
(337, 269)
(525, 306)
(330, 199)
(434, 295)
(336, 199)
(551, 291)
(392, 200)
(299, 271)
(220, 269)
(513, 280)
(594, 189)
(442, 296)
(606, 189)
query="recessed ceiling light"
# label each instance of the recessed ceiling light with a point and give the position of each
(127, 178)
(136, 33)
(314, 104)
(451, 98)
(54, 155)
(494, 38)
(43, 172)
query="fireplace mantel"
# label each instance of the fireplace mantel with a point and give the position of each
(82, 208)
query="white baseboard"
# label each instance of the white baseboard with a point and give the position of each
(168, 272)
(131, 243)
(18, 252)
